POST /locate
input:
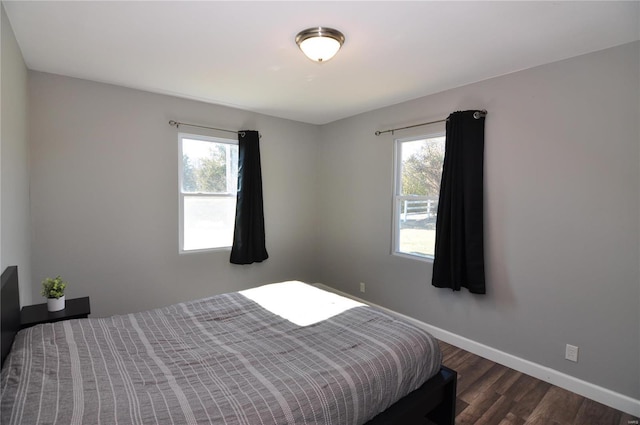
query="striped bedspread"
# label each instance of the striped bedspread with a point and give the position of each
(285, 353)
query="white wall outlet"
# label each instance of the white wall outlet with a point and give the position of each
(571, 353)
(362, 287)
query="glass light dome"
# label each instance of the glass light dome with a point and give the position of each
(320, 44)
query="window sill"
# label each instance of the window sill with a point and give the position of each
(205, 250)
(425, 259)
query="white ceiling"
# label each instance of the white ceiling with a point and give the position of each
(243, 54)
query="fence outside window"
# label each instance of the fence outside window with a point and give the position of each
(419, 209)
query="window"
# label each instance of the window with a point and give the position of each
(418, 171)
(208, 179)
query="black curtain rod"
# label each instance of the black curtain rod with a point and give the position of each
(476, 115)
(177, 124)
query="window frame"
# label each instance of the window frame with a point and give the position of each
(182, 194)
(397, 195)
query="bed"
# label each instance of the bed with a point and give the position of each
(240, 358)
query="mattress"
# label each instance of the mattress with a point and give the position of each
(285, 353)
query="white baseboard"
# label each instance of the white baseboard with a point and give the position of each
(586, 389)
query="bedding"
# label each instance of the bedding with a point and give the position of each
(285, 353)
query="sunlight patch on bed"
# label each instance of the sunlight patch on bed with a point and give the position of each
(299, 302)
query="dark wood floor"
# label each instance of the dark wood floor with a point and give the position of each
(489, 393)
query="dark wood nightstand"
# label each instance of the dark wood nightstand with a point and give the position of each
(76, 308)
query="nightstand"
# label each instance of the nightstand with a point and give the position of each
(76, 308)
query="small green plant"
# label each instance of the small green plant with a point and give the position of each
(53, 288)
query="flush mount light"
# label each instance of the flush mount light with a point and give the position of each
(320, 44)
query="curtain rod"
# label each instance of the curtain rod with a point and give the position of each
(476, 115)
(177, 124)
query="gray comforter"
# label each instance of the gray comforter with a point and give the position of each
(220, 360)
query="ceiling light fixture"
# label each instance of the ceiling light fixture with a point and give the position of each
(320, 44)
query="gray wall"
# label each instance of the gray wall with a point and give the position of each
(15, 234)
(562, 216)
(104, 183)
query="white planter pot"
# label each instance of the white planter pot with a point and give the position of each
(55, 304)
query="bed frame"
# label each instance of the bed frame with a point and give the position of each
(433, 402)
(10, 304)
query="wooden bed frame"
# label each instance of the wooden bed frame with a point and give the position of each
(433, 402)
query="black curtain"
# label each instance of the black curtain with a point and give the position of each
(459, 250)
(248, 235)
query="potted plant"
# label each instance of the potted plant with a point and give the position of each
(53, 289)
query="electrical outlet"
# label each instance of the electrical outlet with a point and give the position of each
(571, 353)
(362, 287)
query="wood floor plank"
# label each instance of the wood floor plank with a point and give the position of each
(472, 370)
(506, 381)
(446, 348)
(523, 385)
(558, 405)
(457, 359)
(540, 421)
(511, 419)
(483, 383)
(527, 402)
(593, 412)
(447, 351)
(492, 394)
(460, 406)
(474, 411)
(495, 414)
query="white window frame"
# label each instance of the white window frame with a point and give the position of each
(398, 197)
(182, 194)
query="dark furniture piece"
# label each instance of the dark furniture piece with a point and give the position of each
(77, 308)
(10, 300)
(433, 402)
